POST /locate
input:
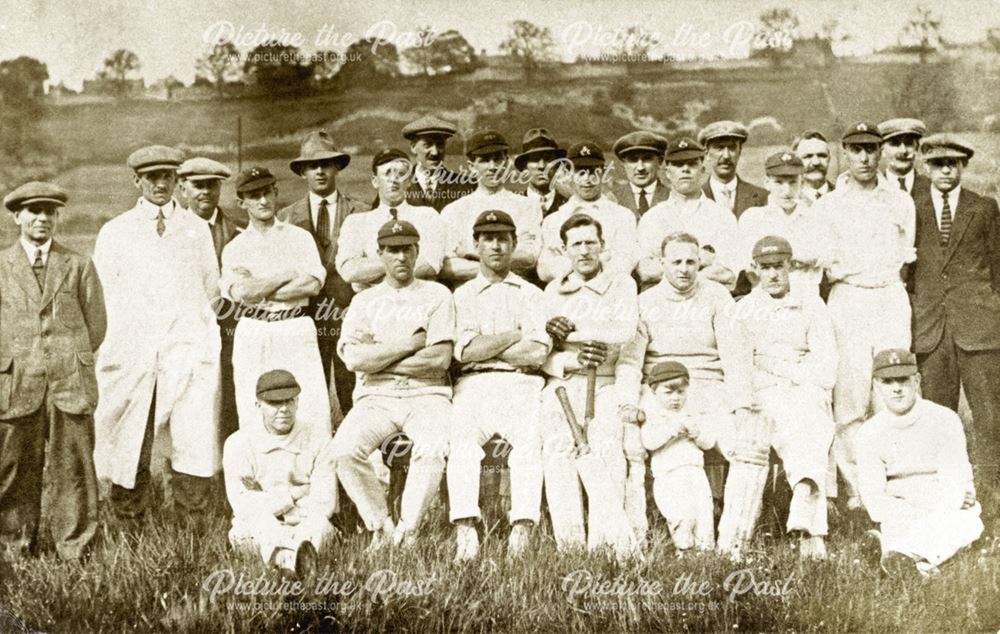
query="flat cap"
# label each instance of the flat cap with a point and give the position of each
(894, 362)
(901, 126)
(640, 141)
(428, 125)
(254, 178)
(396, 233)
(155, 157)
(538, 142)
(783, 164)
(684, 149)
(200, 168)
(861, 132)
(723, 130)
(771, 249)
(277, 385)
(34, 192)
(944, 145)
(494, 220)
(485, 141)
(666, 371)
(319, 146)
(388, 155)
(586, 154)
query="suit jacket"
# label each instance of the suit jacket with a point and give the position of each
(557, 201)
(299, 214)
(622, 193)
(48, 337)
(227, 226)
(747, 195)
(958, 284)
(920, 183)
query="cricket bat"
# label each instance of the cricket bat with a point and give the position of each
(748, 469)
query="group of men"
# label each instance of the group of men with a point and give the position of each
(425, 314)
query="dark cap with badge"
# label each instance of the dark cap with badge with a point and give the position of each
(684, 149)
(771, 249)
(901, 127)
(318, 146)
(428, 125)
(155, 157)
(586, 155)
(894, 363)
(34, 192)
(718, 130)
(254, 178)
(538, 142)
(397, 233)
(483, 142)
(275, 386)
(640, 141)
(200, 168)
(783, 164)
(944, 145)
(493, 220)
(862, 133)
(388, 155)
(667, 371)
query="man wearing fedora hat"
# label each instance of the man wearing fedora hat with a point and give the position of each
(52, 320)
(433, 184)
(641, 155)
(158, 368)
(539, 159)
(322, 213)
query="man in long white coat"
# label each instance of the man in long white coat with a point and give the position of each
(158, 368)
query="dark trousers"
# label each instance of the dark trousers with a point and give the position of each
(191, 493)
(228, 419)
(328, 325)
(948, 368)
(72, 505)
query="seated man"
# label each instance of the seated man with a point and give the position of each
(914, 474)
(281, 487)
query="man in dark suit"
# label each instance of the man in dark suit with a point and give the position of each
(641, 155)
(539, 160)
(322, 213)
(723, 141)
(899, 153)
(433, 184)
(955, 292)
(52, 320)
(813, 149)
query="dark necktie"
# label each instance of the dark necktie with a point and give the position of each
(393, 212)
(38, 268)
(161, 224)
(945, 225)
(323, 224)
(902, 183)
(643, 202)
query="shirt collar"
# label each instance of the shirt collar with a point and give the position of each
(649, 189)
(151, 211)
(264, 441)
(572, 282)
(214, 217)
(844, 181)
(672, 294)
(315, 199)
(719, 185)
(252, 228)
(480, 283)
(383, 208)
(31, 248)
(790, 300)
(937, 195)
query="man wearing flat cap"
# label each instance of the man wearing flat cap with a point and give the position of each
(488, 154)
(398, 337)
(723, 142)
(540, 161)
(433, 184)
(52, 320)
(813, 150)
(618, 223)
(914, 473)
(322, 213)
(900, 139)
(158, 368)
(955, 290)
(868, 226)
(357, 254)
(270, 271)
(641, 155)
(280, 481)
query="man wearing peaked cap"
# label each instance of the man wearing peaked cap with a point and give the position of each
(641, 155)
(900, 138)
(689, 210)
(788, 216)
(322, 213)
(158, 368)
(501, 315)
(723, 141)
(915, 478)
(539, 157)
(433, 184)
(956, 307)
(814, 150)
(357, 251)
(270, 272)
(398, 337)
(487, 152)
(617, 222)
(868, 228)
(52, 302)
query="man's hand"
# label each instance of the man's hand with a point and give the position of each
(419, 340)
(559, 328)
(592, 354)
(970, 499)
(632, 415)
(299, 491)
(706, 256)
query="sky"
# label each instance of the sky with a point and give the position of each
(169, 37)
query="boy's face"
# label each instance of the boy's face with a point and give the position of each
(671, 394)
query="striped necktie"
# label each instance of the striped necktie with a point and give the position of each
(945, 225)
(38, 268)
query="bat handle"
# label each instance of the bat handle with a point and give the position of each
(588, 414)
